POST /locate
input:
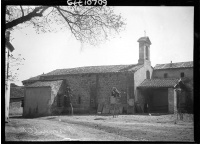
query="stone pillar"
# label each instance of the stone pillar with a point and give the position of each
(172, 100)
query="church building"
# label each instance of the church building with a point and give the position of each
(139, 84)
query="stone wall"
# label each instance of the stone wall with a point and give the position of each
(187, 80)
(107, 82)
(173, 73)
(103, 83)
(172, 100)
(140, 100)
(56, 90)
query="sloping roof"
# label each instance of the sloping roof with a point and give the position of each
(36, 78)
(16, 92)
(144, 39)
(174, 65)
(95, 69)
(46, 83)
(150, 83)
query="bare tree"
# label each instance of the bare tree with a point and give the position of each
(88, 24)
(14, 64)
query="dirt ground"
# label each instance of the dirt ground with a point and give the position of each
(101, 128)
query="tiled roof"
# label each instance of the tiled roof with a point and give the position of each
(95, 69)
(46, 83)
(159, 83)
(36, 78)
(174, 65)
(146, 39)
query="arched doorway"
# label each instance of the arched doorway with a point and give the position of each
(147, 75)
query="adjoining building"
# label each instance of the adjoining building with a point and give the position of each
(91, 88)
(42, 96)
(159, 94)
(183, 71)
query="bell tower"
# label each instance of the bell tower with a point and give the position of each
(144, 50)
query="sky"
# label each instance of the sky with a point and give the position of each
(170, 30)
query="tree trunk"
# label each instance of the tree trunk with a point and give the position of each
(72, 112)
(7, 89)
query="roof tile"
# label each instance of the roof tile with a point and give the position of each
(46, 83)
(36, 78)
(174, 65)
(95, 69)
(158, 83)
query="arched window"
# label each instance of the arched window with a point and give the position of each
(79, 100)
(165, 75)
(147, 53)
(147, 74)
(59, 100)
(182, 74)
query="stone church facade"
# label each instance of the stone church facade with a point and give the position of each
(91, 88)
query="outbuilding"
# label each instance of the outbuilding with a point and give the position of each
(159, 95)
(41, 98)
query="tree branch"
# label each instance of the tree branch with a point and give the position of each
(22, 10)
(65, 19)
(27, 17)
(66, 11)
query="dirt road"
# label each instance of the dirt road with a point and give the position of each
(100, 128)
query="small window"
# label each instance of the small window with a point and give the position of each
(147, 75)
(182, 74)
(147, 53)
(79, 100)
(59, 100)
(165, 75)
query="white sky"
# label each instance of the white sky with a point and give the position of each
(170, 30)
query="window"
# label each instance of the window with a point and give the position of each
(59, 100)
(147, 75)
(182, 74)
(165, 75)
(147, 53)
(79, 100)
